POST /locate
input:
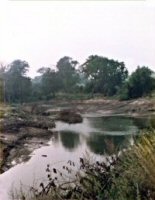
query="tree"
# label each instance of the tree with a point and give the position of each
(2, 82)
(105, 75)
(17, 85)
(18, 68)
(140, 83)
(67, 73)
(1, 90)
(50, 83)
(36, 93)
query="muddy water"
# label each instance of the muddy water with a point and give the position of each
(96, 136)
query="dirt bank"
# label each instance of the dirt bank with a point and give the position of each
(17, 128)
(101, 107)
(115, 107)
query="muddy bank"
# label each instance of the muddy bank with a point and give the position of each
(18, 128)
(102, 107)
(19, 150)
(114, 107)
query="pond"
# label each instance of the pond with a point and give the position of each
(95, 136)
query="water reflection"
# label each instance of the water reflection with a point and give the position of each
(106, 144)
(100, 134)
(152, 122)
(103, 134)
(70, 140)
(144, 123)
(114, 124)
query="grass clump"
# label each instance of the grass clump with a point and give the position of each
(137, 171)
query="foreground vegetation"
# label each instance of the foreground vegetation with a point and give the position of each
(129, 175)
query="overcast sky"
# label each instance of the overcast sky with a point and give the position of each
(41, 32)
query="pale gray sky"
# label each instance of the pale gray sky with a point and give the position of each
(41, 32)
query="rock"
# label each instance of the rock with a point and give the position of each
(69, 116)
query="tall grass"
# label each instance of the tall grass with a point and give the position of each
(137, 169)
(1, 145)
(145, 154)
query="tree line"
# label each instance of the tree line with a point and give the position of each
(97, 75)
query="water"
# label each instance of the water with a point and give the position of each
(95, 137)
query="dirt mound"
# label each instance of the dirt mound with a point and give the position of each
(69, 116)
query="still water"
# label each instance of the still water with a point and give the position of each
(95, 136)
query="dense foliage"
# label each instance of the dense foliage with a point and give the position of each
(105, 75)
(17, 87)
(98, 75)
(139, 84)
